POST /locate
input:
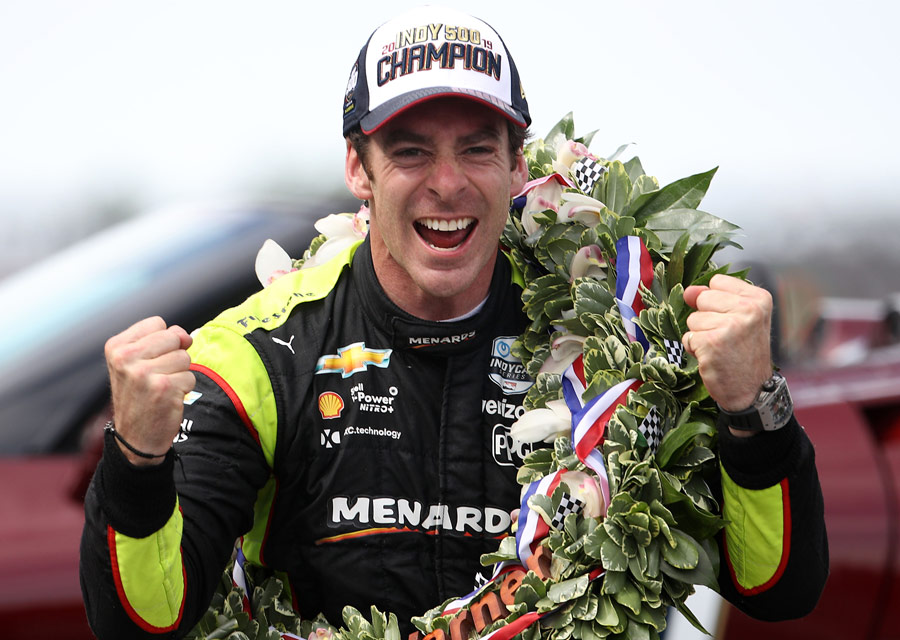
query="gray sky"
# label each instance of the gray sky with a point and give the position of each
(796, 102)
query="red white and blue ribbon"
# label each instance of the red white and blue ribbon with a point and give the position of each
(589, 419)
(532, 527)
(633, 268)
(239, 579)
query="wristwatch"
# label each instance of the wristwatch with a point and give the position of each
(770, 411)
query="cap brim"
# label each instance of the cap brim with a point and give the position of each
(395, 106)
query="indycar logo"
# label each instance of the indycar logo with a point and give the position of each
(352, 359)
(506, 370)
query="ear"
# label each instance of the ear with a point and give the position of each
(519, 175)
(355, 175)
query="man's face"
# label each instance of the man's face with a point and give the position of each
(440, 176)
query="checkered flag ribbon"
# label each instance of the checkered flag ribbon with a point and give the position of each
(567, 505)
(586, 172)
(674, 352)
(651, 429)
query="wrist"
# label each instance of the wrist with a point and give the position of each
(133, 454)
(770, 410)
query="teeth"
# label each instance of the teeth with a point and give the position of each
(436, 224)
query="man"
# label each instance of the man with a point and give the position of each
(350, 423)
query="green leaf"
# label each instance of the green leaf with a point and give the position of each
(703, 573)
(618, 187)
(635, 170)
(629, 597)
(686, 193)
(607, 615)
(612, 556)
(592, 297)
(685, 554)
(566, 126)
(568, 589)
(670, 224)
(689, 615)
(677, 439)
(675, 270)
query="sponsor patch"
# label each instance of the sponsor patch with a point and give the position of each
(330, 438)
(191, 397)
(352, 359)
(376, 432)
(373, 403)
(388, 512)
(508, 452)
(185, 430)
(330, 405)
(506, 370)
(428, 341)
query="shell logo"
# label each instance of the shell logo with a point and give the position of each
(330, 405)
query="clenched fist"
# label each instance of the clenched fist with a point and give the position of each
(149, 375)
(729, 335)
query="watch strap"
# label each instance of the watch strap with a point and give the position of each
(771, 410)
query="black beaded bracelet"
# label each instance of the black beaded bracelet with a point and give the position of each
(111, 427)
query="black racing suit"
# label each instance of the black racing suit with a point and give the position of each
(362, 452)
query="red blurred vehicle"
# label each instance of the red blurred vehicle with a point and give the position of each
(842, 361)
(185, 264)
(843, 371)
(848, 399)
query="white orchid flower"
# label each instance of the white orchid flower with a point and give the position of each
(544, 424)
(563, 352)
(584, 488)
(588, 262)
(541, 195)
(341, 231)
(272, 262)
(581, 208)
(567, 152)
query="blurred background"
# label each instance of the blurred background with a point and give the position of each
(110, 109)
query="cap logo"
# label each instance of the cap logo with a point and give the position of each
(414, 50)
(462, 54)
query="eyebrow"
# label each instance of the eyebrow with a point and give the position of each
(405, 136)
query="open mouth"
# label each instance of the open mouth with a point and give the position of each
(445, 235)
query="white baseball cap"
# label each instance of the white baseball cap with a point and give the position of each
(426, 53)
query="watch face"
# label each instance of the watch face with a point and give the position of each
(781, 406)
(775, 404)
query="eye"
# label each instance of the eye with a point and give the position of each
(479, 150)
(408, 152)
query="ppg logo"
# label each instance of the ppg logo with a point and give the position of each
(330, 438)
(507, 451)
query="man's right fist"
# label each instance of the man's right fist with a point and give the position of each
(149, 374)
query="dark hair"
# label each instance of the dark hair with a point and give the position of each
(517, 137)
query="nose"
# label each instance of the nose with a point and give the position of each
(447, 178)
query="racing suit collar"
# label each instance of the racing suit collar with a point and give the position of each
(437, 338)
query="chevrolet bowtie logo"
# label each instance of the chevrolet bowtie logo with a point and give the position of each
(352, 359)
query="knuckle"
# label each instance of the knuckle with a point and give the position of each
(116, 359)
(159, 386)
